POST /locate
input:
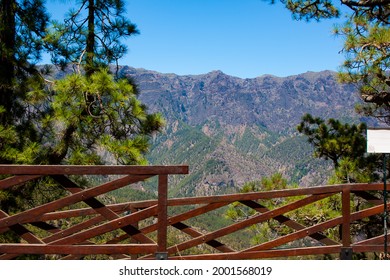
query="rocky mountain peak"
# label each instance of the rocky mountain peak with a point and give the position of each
(232, 130)
(273, 102)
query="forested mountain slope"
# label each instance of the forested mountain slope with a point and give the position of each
(232, 130)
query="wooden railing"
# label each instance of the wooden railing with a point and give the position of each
(177, 228)
(99, 219)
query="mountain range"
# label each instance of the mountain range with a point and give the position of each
(231, 130)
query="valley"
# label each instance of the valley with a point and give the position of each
(231, 130)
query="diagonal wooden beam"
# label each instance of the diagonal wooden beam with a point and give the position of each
(372, 241)
(187, 215)
(194, 233)
(80, 237)
(246, 223)
(74, 229)
(375, 244)
(296, 235)
(17, 180)
(313, 229)
(368, 197)
(21, 231)
(71, 213)
(290, 223)
(25, 216)
(107, 227)
(41, 225)
(101, 209)
(176, 221)
(96, 205)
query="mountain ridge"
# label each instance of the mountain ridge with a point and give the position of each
(198, 95)
(232, 130)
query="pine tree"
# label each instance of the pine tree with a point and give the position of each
(367, 64)
(344, 145)
(92, 39)
(333, 140)
(22, 27)
(320, 9)
(91, 110)
(95, 113)
(76, 120)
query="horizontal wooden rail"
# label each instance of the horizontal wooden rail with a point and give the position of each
(331, 189)
(78, 249)
(92, 169)
(282, 253)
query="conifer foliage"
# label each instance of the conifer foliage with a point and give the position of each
(345, 145)
(22, 27)
(334, 140)
(91, 34)
(366, 46)
(90, 116)
(90, 110)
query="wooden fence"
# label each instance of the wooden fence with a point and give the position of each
(179, 228)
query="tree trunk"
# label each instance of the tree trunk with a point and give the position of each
(90, 47)
(7, 58)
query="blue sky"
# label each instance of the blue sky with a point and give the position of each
(243, 38)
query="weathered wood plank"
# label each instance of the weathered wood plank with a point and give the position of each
(187, 215)
(313, 229)
(176, 221)
(78, 249)
(290, 223)
(24, 233)
(246, 223)
(25, 216)
(16, 180)
(92, 169)
(74, 229)
(346, 214)
(368, 248)
(267, 195)
(282, 253)
(368, 197)
(194, 233)
(252, 196)
(372, 241)
(107, 227)
(101, 209)
(117, 208)
(74, 240)
(162, 215)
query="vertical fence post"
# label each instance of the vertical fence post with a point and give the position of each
(346, 250)
(161, 253)
(385, 212)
